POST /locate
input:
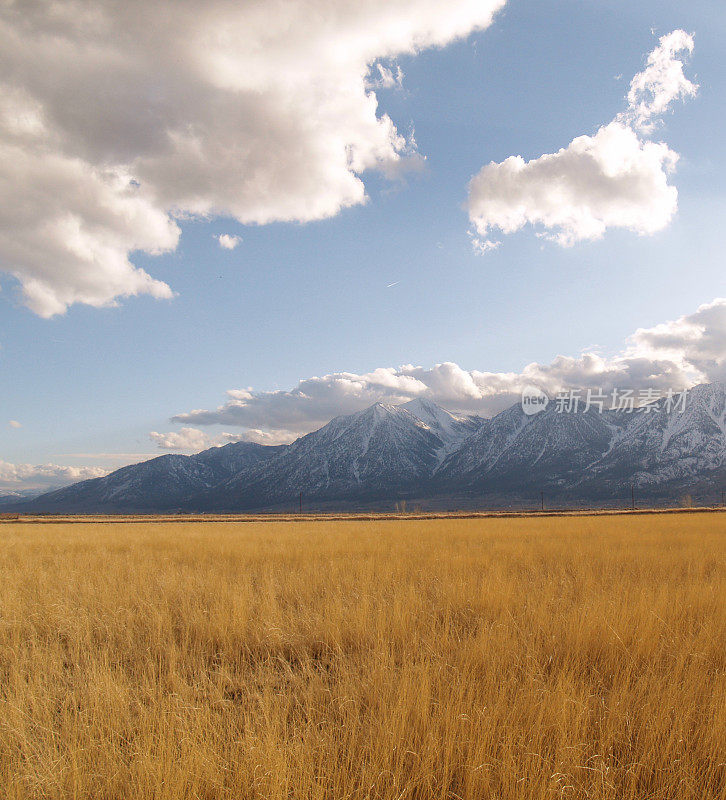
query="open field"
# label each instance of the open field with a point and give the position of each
(343, 516)
(574, 657)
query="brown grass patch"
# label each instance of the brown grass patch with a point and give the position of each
(575, 657)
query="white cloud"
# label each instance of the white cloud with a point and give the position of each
(130, 458)
(185, 439)
(387, 78)
(13, 423)
(259, 436)
(312, 403)
(695, 342)
(66, 228)
(661, 82)
(257, 111)
(227, 241)
(194, 440)
(482, 246)
(15, 477)
(675, 354)
(613, 179)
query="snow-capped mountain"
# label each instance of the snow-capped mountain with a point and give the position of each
(382, 451)
(421, 451)
(588, 454)
(513, 451)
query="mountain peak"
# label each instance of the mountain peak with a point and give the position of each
(422, 404)
(384, 408)
(428, 411)
(451, 429)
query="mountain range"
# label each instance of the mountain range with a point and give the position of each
(422, 453)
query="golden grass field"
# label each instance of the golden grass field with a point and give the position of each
(580, 657)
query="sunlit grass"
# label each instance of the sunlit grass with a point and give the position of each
(494, 658)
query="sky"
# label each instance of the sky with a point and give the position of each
(223, 221)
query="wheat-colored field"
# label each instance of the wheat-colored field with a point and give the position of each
(488, 658)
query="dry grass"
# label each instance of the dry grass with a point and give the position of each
(499, 658)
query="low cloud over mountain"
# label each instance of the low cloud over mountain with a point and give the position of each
(42, 476)
(674, 354)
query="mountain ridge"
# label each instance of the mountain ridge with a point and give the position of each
(419, 450)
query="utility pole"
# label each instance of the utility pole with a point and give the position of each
(632, 496)
(301, 502)
(541, 495)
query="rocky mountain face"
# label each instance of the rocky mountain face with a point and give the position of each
(665, 452)
(513, 451)
(419, 450)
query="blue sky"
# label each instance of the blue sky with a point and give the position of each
(300, 299)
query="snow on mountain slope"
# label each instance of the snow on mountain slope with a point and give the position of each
(515, 451)
(667, 446)
(481, 451)
(451, 429)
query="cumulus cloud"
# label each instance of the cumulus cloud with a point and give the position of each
(313, 402)
(227, 241)
(185, 439)
(696, 342)
(160, 111)
(25, 477)
(259, 436)
(673, 355)
(613, 179)
(193, 440)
